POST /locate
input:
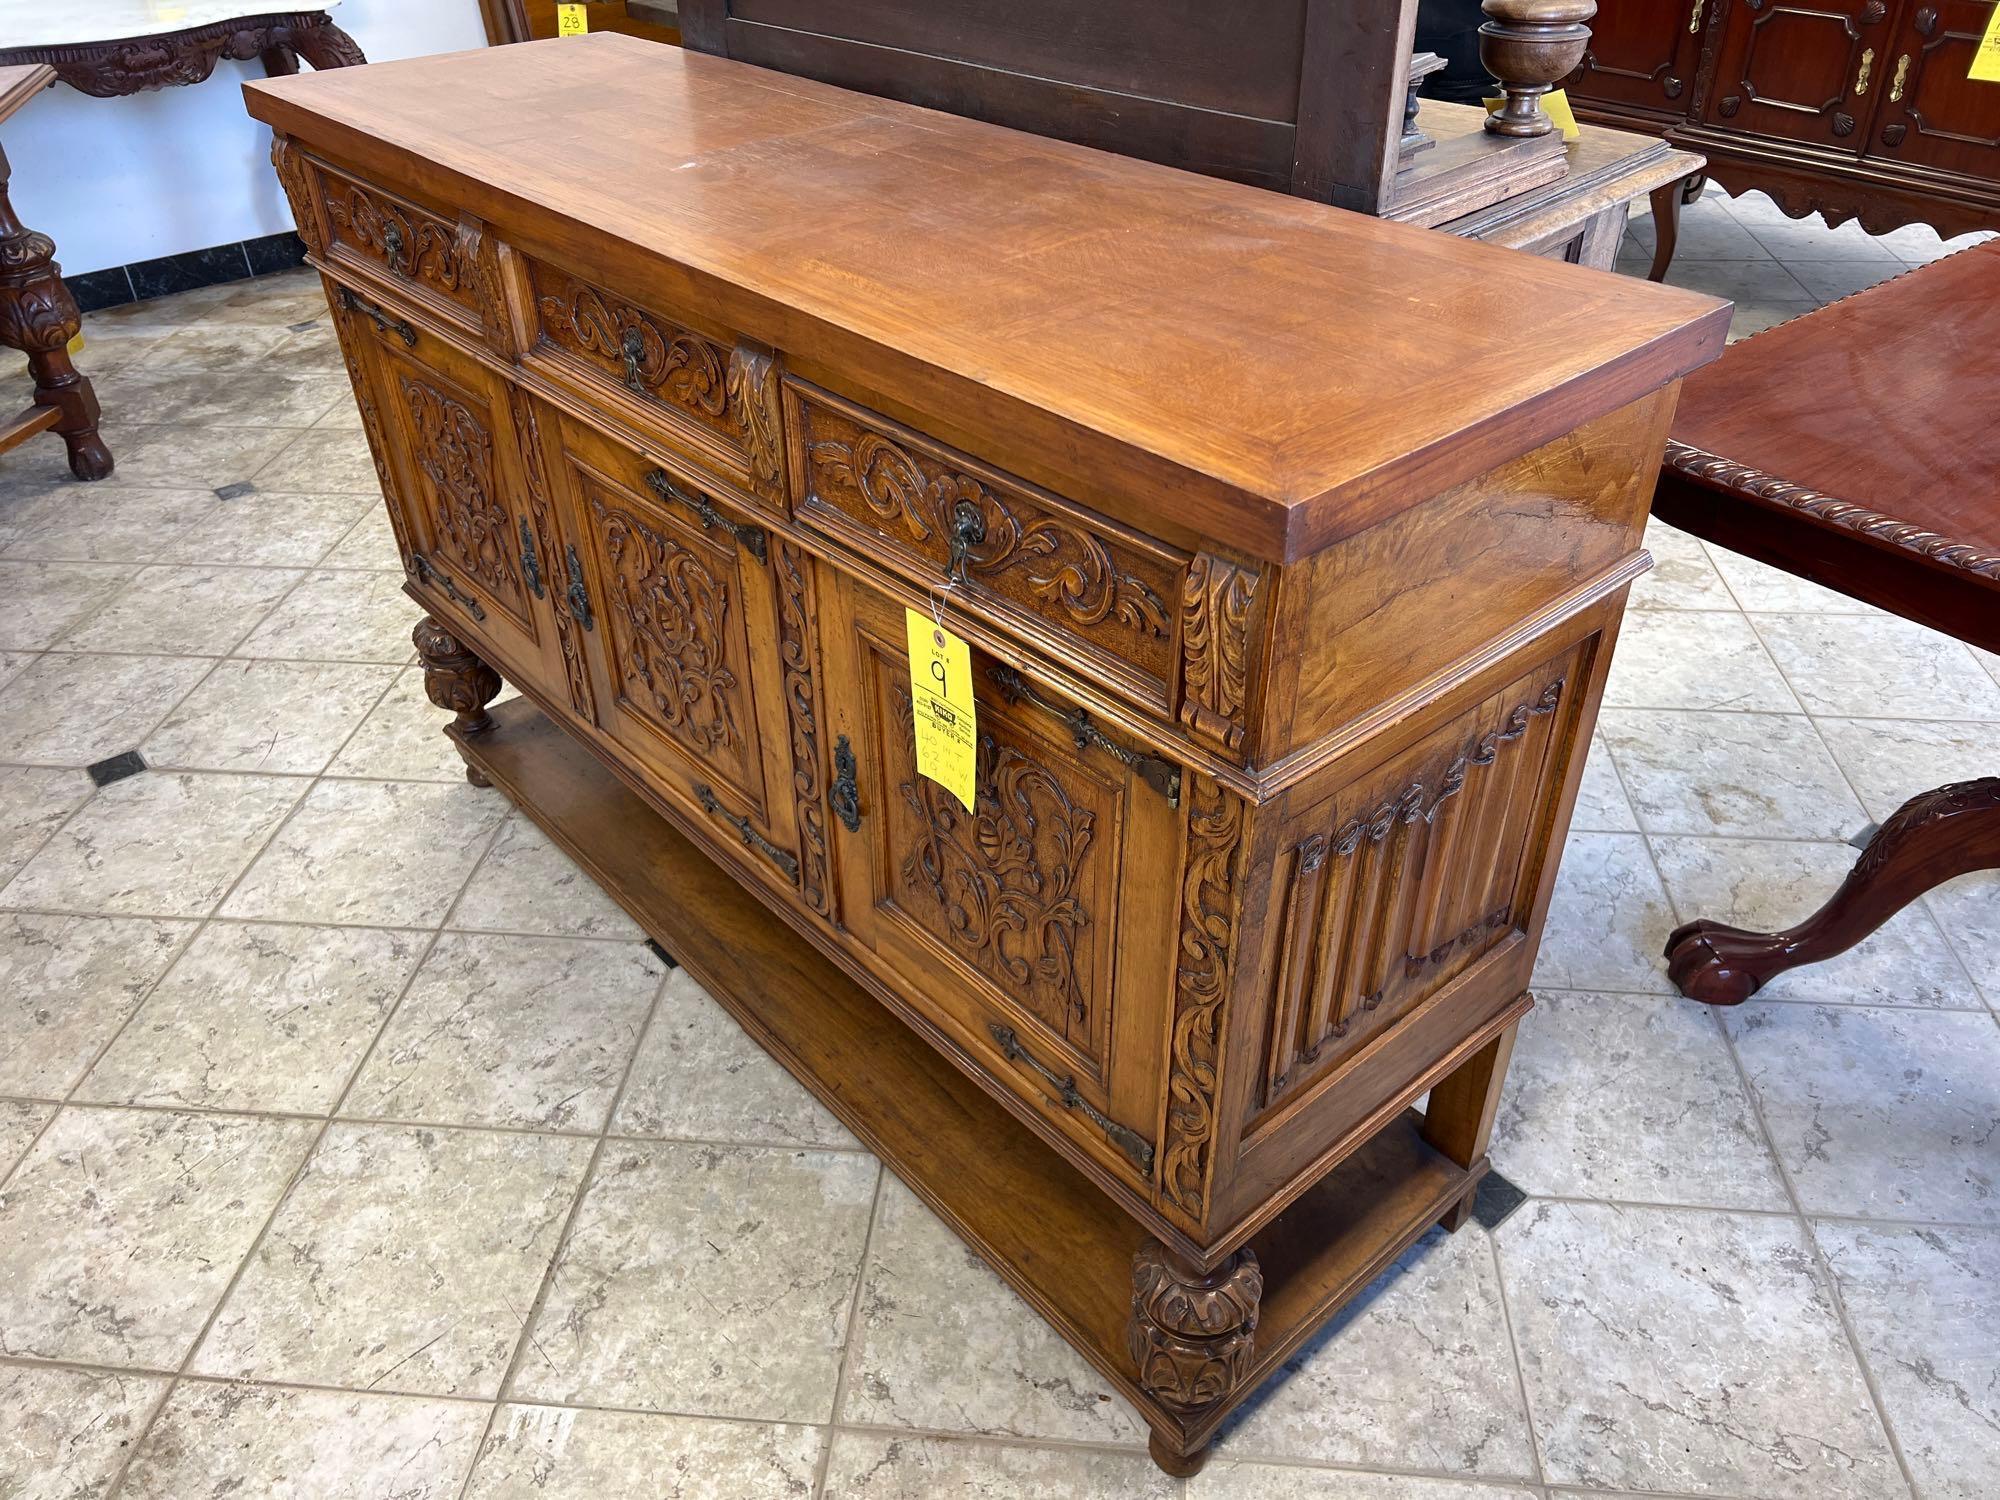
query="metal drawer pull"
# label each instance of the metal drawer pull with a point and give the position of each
(750, 538)
(1867, 68)
(393, 248)
(712, 804)
(1901, 80)
(633, 347)
(429, 573)
(1124, 1137)
(379, 318)
(529, 565)
(1162, 775)
(844, 796)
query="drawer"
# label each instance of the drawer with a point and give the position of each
(1041, 568)
(419, 252)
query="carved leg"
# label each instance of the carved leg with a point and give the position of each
(325, 45)
(1930, 839)
(1459, 1121)
(455, 678)
(1666, 203)
(279, 62)
(39, 317)
(1191, 1335)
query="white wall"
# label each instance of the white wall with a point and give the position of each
(114, 181)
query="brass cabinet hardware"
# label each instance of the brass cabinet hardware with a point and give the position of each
(429, 572)
(843, 795)
(1867, 67)
(782, 858)
(1902, 78)
(968, 530)
(1694, 17)
(750, 538)
(378, 317)
(1124, 1137)
(393, 248)
(529, 566)
(633, 346)
(1162, 775)
(576, 595)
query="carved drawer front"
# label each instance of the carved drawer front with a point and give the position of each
(715, 403)
(1395, 884)
(1034, 929)
(1042, 568)
(421, 253)
(688, 646)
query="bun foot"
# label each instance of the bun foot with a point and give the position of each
(88, 457)
(1715, 964)
(1180, 1465)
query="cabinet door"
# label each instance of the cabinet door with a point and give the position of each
(684, 641)
(1809, 71)
(1037, 931)
(470, 526)
(1932, 114)
(1642, 56)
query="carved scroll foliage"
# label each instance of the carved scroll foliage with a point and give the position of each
(1192, 1335)
(1005, 880)
(411, 244)
(455, 451)
(548, 545)
(291, 167)
(1215, 648)
(795, 652)
(132, 65)
(672, 612)
(753, 398)
(1202, 974)
(677, 367)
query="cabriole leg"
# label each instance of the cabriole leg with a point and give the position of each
(1191, 1335)
(1459, 1121)
(456, 678)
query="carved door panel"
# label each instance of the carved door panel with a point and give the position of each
(1931, 113)
(1642, 56)
(685, 640)
(1807, 70)
(475, 533)
(1035, 931)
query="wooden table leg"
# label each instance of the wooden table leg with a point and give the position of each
(39, 317)
(1666, 201)
(1459, 1120)
(1930, 839)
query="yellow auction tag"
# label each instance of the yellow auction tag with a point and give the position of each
(571, 21)
(1555, 104)
(1986, 61)
(941, 708)
(76, 346)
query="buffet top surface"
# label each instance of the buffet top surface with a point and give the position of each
(1278, 373)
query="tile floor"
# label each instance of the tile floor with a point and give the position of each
(307, 1189)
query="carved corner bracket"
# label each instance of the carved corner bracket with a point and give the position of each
(1217, 599)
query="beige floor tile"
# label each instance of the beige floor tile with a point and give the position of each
(1968, 909)
(13, 664)
(1890, 761)
(699, 1077)
(258, 1017)
(76, 710)
(879, 1466)
(1738, 280)
(1750, 775)
(556, 1453)
(940, 1343)
(326, 459)
(195, 457)
(1601, 803)
(1878, 667)
(120, 1231)
(64, 1434)
(1632, 1098)
(403, 738)
(45, 600)
(123, 525)
(1707, 231)
(1224, 1480)
(530, 1032)
(705, 1280)
(20, 1123)
(1764, 885)
(1682, 576)
(252, 399)
(527, 884)
(405, 1260)
(384, 853)
(1607, 919)
(1879, 1113)
(190, 611)
(340, 616)
(228, 1440)
(1694, 1352)
(66, 985)
(34, 802)
(269, 530)
(1810, 241)
(281, 717)
(369, 543)
(1754, 317)
(164, 843)
(210, 347)
(1925, 1304)
(1694, 659)
(1830, 280)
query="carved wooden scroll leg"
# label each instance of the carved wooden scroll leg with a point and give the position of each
(39, 317)
(1666, 202)
(1459, 1120)
(1930, 839)
(1191, 1336)
(325, 45)
(455, 678)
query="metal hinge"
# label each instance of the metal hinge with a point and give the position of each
(1124, 1137)
(1162, 775)
(375, 315)
(429, 572)
(782, 858)
(576, 596)
(530, 566)
(751, 538)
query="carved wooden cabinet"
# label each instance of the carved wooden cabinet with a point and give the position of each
(1287, 630)
(1853, 108)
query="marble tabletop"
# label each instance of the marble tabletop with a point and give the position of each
(53, 23)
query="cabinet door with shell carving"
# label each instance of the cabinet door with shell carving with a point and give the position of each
(1808, 71)
(471, 517)
(701, 650)
(1035, 929)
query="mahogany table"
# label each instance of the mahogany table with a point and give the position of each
(1857, 447)
(113, 47)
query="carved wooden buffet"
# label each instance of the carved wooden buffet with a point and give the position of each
(1290, 546)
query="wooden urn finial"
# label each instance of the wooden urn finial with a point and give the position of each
(1528, 45)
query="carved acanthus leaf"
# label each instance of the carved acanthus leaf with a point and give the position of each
(1216, 601)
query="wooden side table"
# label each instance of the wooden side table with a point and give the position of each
(39, 317)
(1857, 446)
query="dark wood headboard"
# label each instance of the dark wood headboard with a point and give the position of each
(1303, 96)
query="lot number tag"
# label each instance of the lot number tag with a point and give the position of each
(571, 20)
(941, 708)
